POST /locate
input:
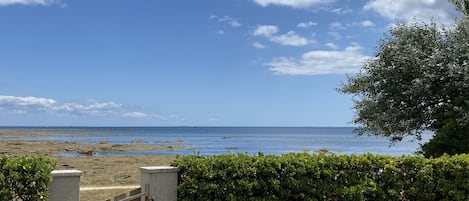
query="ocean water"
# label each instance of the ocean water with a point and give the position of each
(220, 140)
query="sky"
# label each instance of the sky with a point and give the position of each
(191, 63)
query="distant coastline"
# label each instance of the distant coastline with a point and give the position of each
(218, 140)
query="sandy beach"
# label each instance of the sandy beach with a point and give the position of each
(97, 170)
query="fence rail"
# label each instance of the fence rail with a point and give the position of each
(134, 195)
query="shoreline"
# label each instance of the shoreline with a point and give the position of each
(97, 170)
(10, 142)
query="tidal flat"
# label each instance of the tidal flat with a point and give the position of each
(97, 170)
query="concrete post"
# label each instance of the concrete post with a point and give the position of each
(65, 185)
(162, 182)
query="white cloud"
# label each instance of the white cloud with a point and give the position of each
(414, 10)
(367, 23)
(335, 26)
(94, 108)
(333, 10)
(226, 19)
(331, 45)
(290, 38)
(292, 3)
(348, 60)
(258, 45)
(28, 2)
(229, 20)
(30, 104)
(306, 24)
(29, 101)
(341, 11)
(136, 115)
(265, 30)
(364, 23)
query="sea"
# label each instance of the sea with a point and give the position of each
(222, 140)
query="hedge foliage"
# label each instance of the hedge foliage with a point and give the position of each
(25, 178)
(304, 176)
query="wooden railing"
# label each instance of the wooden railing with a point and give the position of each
(134, 195)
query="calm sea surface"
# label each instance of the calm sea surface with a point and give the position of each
(219, 140)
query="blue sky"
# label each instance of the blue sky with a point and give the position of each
(190, 63)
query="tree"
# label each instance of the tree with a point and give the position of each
(418, 80)
(461, 5)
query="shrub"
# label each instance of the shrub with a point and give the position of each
(450, 139)
(25, 178)
(322, 177)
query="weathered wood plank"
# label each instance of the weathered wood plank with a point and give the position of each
(120, 197)
(135, 191)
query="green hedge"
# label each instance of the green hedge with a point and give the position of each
(322, 177)
(25, 178)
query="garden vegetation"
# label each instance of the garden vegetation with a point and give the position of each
(302, 176)
(25, 178)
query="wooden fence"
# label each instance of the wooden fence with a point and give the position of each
(134, 195)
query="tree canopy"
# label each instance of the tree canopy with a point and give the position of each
(461, 5)
(418, 80)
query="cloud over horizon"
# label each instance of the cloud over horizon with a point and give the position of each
(30, 104)
(136, 115)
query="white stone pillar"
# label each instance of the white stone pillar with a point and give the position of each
(162, 182)
(65, 185)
